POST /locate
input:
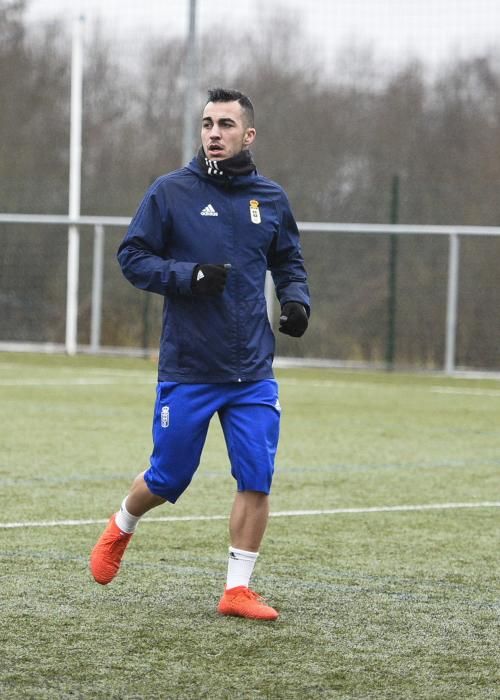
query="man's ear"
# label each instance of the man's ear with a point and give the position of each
(249, 136)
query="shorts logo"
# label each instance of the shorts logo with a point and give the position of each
(277, 405)
(255, 211)
(165, 416)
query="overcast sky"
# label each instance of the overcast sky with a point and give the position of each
(433, 30)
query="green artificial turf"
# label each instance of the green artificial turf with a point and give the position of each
(373, 604)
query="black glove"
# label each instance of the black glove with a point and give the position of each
(293, 319)
(208, 280)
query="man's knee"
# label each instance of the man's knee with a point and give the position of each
(253, 495)
(166, 486)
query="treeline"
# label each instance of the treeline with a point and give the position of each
(333, 136)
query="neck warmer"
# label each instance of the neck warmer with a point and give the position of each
(240, 164)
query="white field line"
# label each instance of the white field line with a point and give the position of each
(71, 371)
(278, 514)
(124, 378)
(77, 381)
(464, 391)
(435, 389)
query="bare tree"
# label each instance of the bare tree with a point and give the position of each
(332, 136)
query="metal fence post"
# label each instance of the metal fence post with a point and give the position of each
(452, 303)
(390, 349)
(72, 290)
(75, 161)
(189, 136)
(270, 296)
(97, 280)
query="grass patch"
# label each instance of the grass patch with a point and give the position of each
(373, 605)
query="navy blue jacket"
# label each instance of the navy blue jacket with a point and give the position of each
(187, 218)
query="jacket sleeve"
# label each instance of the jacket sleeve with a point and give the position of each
(285, 260)
(142, 253)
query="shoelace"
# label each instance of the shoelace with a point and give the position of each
(252, 595)
(120, 542)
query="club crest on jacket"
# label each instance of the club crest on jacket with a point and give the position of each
(255, 211)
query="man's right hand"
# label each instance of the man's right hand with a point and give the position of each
(209, 280)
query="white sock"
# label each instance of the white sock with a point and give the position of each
(125, 521)
(240, 567)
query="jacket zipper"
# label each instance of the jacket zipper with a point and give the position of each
(236, 296)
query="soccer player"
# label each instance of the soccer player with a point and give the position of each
(203, 237)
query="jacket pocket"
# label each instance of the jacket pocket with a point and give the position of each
(256, 337)
(205, 338)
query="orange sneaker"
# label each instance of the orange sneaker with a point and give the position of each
(240, 601)
(108, 552)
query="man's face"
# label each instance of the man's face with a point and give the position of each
(224, 132)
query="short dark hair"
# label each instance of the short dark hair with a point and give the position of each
(222, 95)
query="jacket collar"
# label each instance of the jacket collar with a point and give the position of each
(222, 181)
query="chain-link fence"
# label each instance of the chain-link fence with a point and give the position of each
(349, 280)
(336, 122)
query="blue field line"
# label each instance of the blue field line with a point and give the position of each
(348, 466)
(371, 584)
(280, 471)
(403, 508)
(74, 478)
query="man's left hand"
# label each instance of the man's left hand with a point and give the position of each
(293, 319)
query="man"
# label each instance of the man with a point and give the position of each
(203, 237)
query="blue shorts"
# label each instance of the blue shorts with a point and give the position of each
(250, 416)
